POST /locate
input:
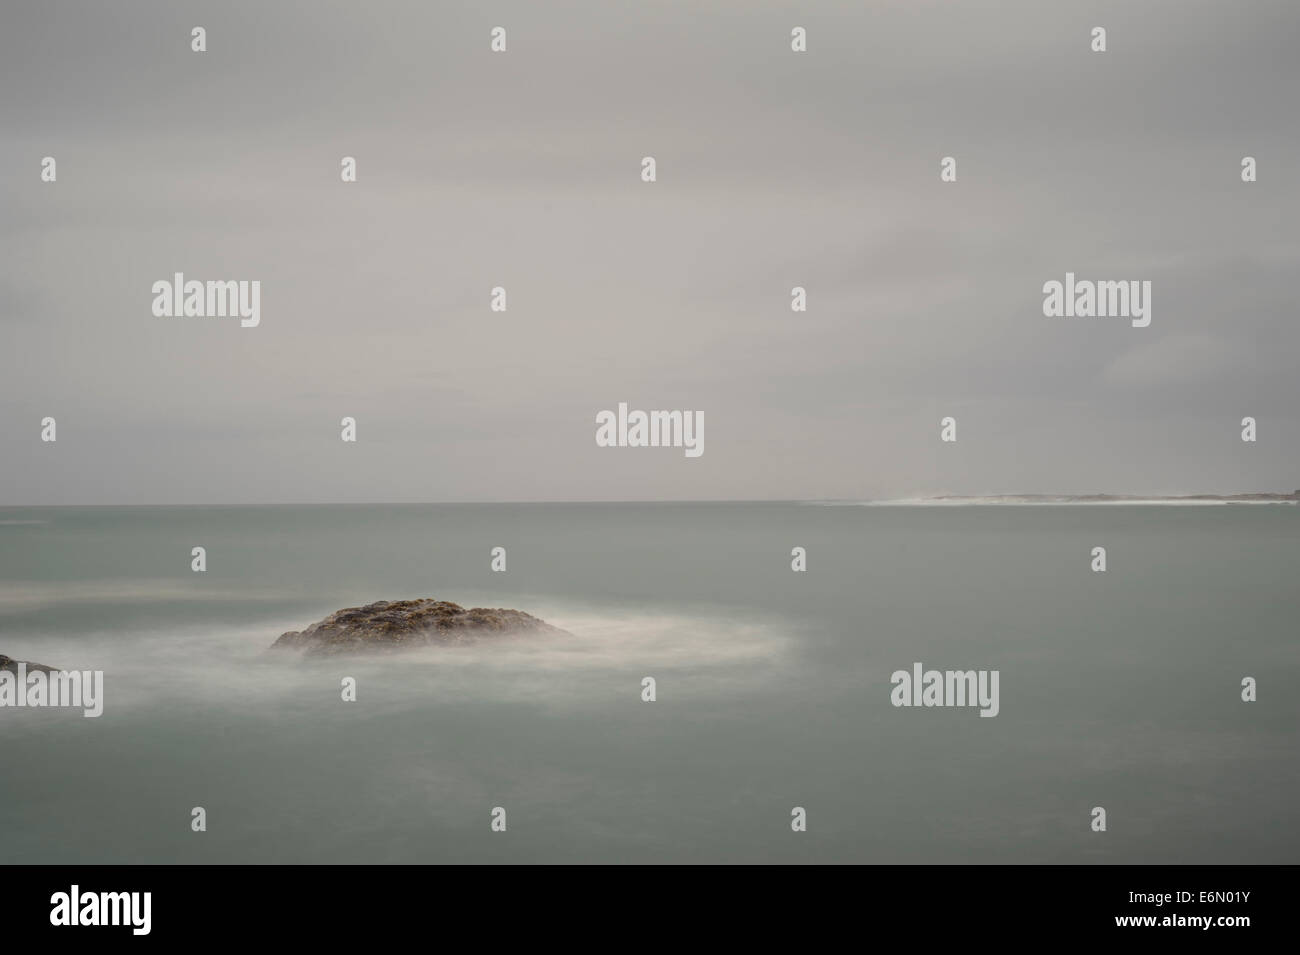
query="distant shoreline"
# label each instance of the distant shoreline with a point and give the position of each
(1063, 500)
(1253, 498)
(1096, 499)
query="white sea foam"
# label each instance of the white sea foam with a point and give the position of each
(234, 665)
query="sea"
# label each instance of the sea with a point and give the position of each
(772, 736)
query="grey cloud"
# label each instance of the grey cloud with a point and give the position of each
(521, 170)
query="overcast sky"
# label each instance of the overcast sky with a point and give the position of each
(522, 170)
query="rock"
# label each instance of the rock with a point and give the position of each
(398, 624)
(10, 664)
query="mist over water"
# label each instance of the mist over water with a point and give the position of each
(1119, 689)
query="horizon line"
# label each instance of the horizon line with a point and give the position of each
(946, 497)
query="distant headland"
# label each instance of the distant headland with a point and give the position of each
(1252, 498)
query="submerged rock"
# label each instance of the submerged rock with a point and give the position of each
(10, 664)
(398, 624)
